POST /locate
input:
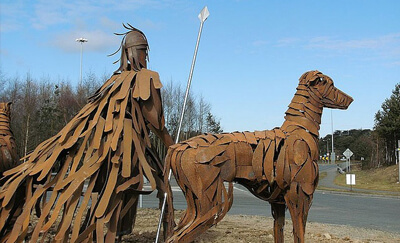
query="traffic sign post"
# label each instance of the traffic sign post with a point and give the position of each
(351, 180)
(348, 154)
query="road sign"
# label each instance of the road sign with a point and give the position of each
(348, 153)
(351, 180)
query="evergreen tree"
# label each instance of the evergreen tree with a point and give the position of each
(213, 126)
(387, 124)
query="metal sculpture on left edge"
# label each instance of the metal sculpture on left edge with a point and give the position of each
(84, 182)
(8, 148)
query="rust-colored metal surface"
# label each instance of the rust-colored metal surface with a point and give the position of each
(84, 182)
(278, 166)
(8, 151)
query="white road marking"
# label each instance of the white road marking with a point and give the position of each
(178, 189)
(174, 188)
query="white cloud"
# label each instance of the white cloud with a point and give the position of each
(109, 24)
(259, 43)
(11, 15)
(64, 14)
(4, 52)
(50, 13)
(393, 64)
(381, 42)
(389, 41)
(288, 41)
(384, 47)
(88, 19)
(98, 41)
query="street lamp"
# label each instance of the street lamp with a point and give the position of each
(81, 40)
(333, 156)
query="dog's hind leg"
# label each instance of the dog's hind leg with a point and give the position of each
(206, 213)
(194, 221)
(186, 220)
(298, 203)
(278, 212)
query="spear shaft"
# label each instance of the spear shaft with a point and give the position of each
(203, 15)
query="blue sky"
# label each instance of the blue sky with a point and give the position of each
(250, 57)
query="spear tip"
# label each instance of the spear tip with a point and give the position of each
(203, 15)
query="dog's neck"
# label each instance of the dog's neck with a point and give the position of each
(305, 111)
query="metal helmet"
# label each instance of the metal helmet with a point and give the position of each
(134, 48)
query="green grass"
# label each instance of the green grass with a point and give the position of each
(322, 175)
(382, 179)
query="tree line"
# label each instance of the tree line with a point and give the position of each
(42, 107)
(359, 141)
(377, 147)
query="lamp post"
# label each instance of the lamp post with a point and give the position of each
(81, 40)
(333, 155)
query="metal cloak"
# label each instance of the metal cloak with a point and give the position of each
(84, 182)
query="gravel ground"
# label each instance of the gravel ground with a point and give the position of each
(243, 228)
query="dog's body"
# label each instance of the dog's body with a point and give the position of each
(278, 166)
(8, 151)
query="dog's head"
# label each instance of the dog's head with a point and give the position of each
(5, 108)
(322, 89)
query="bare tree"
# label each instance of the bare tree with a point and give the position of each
(198, 117)
(42, 107)
(203, 109)
(29, 108)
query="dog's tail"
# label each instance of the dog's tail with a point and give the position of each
(168, 168)
(168, 218)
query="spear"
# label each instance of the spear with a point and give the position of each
(203, 15)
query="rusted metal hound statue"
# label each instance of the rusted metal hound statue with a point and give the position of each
(100, 159)
(278, 166)
(8, 150)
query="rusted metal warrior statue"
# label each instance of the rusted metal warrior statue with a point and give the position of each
(8, 150)
(84, 182)
(278, 166)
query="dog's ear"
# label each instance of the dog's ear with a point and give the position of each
(313, 82)
(317, 80)
(310, 78)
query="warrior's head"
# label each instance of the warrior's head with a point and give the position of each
(134, 50)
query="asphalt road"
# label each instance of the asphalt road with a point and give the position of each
(381, 213)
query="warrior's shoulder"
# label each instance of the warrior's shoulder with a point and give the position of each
(145, 81)
(148, 75)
